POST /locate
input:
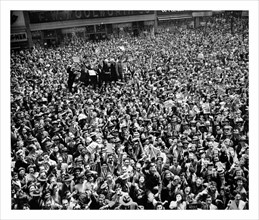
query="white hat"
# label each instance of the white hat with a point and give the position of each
(88, 140)
(81, 116)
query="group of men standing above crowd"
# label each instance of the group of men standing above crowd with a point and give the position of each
(104, 73)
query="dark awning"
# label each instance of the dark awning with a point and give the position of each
(171, 17)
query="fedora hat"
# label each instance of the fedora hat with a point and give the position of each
(185, 142)
(67, 178)
(48, 144)
(55, 138)
(21, 168)
(193, 122)
(104, 185)
(31, 166)
(124, 176)
(78, 168)
(56, 130)
(31, 139)
(78, 159)
(201, 151)
(90, 174)
(36, 193)
(135, 139)
(242, 138)
(116, 140)
(195, 138)
(125, 200)
(110, 137)
(42, 179)
(240, 178)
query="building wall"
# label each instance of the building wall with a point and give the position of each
(19, 35)
(28, 27)
(91, 21)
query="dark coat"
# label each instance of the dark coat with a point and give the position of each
(84, 76)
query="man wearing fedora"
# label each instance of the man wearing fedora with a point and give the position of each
(67, 185)
(126, 203)
(20, 160)
(106, 72)
(71, 77)
(237, 203)
(208, 204)
(240, 180)
(153, 183)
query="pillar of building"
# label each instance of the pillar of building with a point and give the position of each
(28, 29)
(196, 22)
(155, 22)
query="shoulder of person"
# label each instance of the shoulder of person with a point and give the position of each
(173, 204)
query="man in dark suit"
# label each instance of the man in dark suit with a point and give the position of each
(84, 78)
(71, 77)
(114, 74)
(106, 72)
(119, 68)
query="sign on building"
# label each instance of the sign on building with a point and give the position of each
(18, 37)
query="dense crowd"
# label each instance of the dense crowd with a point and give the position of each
(149, 122)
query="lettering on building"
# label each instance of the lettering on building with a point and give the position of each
(52, 16)
(18, 37)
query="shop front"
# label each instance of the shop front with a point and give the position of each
(19, 37)
(168, 20)
(19, 40)
(56, 26)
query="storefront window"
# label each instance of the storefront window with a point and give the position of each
(36, 34)
(109, 28)
(89, 29)
(50, 34)
(100, 28)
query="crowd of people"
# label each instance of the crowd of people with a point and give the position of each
(149, 122)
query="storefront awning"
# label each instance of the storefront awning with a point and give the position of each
(202, 13)
(164, 18)
(85, 22)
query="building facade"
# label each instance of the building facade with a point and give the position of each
(30, 28)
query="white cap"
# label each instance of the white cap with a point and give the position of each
(81, 116)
